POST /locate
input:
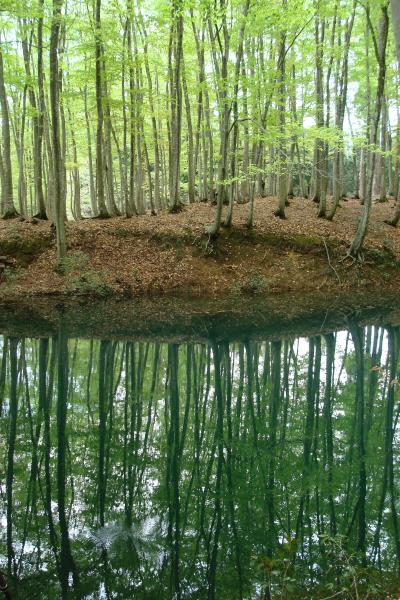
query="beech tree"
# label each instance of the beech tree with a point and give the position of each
(395, 6)
(101, 204)
(166, 103)
(380, 41)
(8, 209)
(57, 166)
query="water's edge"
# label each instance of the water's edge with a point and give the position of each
(176, 319)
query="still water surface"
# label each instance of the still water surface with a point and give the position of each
(219, 470)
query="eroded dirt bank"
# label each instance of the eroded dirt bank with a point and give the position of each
(169, 255)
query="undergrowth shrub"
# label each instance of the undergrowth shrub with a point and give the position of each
(80, 278)
(74, 261)
(252, 284)
(88, 283)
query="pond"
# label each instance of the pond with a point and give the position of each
(247, 467)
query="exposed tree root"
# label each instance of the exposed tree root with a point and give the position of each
(176, 208)
(354, 259)
(10, 214)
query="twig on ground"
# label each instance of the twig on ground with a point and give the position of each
(330, 263)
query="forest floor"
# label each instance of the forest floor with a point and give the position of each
(169, 255)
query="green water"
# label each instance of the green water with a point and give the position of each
(218, 470)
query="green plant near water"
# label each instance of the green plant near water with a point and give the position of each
(10, 274)
(276, 572)
(88, 283)
(73, 262)
(253, 284)
(80, 278)
(346, 577)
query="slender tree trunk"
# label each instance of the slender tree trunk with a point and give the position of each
(42, 213)
(92, 187)
(221, 72)
(140, 196)
(381, 158)
(341, 102)
(12, 433)
(67, 564)
(175, 67)
(75, 175)
(238, 67)
(244, 185)
(100, 162)
(8, 208)
(191, 174)
(395, 6)
(124, 178)
(157, 165)
(320, 195)
(59, 209)
(35, 117)
(132, 208)
(396, 188)
(19, 140)
(282, 163)
(112, 206)
(358, 241)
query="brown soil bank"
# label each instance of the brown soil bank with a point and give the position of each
(169, 255)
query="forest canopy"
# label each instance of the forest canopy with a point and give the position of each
(122, 107)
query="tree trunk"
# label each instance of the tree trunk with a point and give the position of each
(175, 89)
(35, 126)
(341, 102)
(42, 214)
(59, 209)
(8, 208)
(395, 6)
(92, 187)
(358, 241)
(282, 177)
(191, 173)
(381, 158)
(100, 163)
(131, 208)
(157, 166)
(75, 174)
(319, 166)
(239, 56)
(112, 207)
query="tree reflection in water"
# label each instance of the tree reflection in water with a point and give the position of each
(221, 470)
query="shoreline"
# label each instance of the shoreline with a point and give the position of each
(170, 256)
(198, 320)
